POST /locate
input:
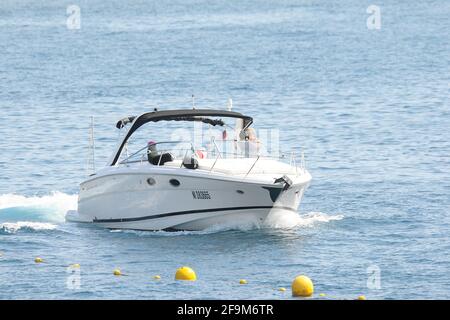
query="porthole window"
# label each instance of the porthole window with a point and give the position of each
(174, 182)
(151, 181)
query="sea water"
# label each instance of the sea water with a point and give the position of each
(367, 102)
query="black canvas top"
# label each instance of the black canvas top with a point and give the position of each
(177, 115)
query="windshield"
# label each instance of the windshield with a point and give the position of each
(228, 138)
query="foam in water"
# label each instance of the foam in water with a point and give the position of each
(20, 212)
(288, 220)
(210, 230)
(13, 227)
(284, 220)
(50, 208)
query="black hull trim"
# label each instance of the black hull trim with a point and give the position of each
(170, 214)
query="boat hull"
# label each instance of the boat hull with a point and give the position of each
(169, 201)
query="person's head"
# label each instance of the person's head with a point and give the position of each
(251, 134)
(151, 145)
(247, 134)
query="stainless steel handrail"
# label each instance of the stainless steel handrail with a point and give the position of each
(251, 168)
(221, 154)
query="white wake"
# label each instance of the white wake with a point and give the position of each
(14, 227)
(47, 208)
(289, 220)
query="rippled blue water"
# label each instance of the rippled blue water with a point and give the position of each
(369, 107)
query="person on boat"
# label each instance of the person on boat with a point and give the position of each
(154, 157)
(251, 133)
(250, 142)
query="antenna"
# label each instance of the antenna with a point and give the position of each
(229, 104)
(193, 102)
(92, 146)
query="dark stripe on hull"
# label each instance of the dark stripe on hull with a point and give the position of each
(170, 214)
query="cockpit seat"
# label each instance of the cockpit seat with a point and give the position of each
(190, 163)
(160, 159)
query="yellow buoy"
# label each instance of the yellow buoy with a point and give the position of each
(322, 294)
(242, 281)
(157, 277)
(185, 273)
(38, 260)
(282, 289)
(117, 272)
(361, 298)
(75, 265)
(302, 286)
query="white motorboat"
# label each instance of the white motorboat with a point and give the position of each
(189, 185)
